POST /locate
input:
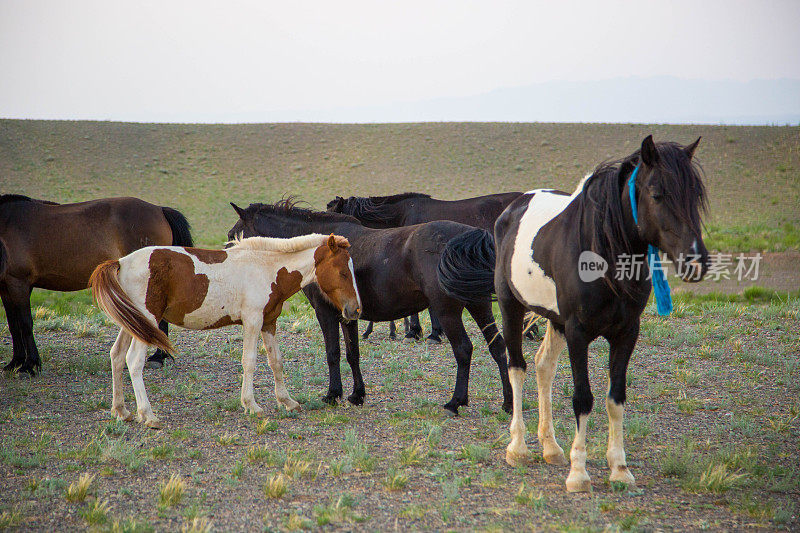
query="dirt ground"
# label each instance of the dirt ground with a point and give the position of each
(711, 436)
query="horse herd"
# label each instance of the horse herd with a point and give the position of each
(379, 259)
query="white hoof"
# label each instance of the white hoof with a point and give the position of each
(578, 481)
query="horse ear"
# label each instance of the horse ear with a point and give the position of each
(332, 243)
(649, 152)
(689, 150)
(239, 210)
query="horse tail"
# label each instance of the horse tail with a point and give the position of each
(112, 299)
(466, 267)
(181, 230)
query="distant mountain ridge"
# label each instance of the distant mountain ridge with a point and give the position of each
(638, 100)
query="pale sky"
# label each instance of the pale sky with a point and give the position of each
(183, 61)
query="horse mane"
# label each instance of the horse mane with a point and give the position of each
(377, 208)
(295, 244)
(684, 195)
(8, 198)
(287, 207)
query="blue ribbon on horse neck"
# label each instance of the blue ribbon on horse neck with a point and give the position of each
(657, 275)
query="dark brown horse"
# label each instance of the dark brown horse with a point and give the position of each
(56, 247)
(416, 208)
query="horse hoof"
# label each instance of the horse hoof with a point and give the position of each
(330, 399)
(450, 410)
(555, 458)
(434, 340)
(122, 414)
(154, 423)
(621, 474)
(508, 407)
(355, 399)
(409, 340)
(578, 482)
(365, 336)
(518, 459)
(154, 364)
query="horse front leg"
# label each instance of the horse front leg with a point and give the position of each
(350, 335)
(275, 360)
(368, 330)
(582, 400)
(413, 328)
(512, 311)
(546, 364)
(436, 329)
(619, 356)
(251, 330)
(159, 356)
(17, 346)
(327, 317)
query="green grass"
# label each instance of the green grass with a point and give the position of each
(74, 161)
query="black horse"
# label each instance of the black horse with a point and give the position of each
(57, 246)
(545, 242)
(415, 208)
(396, 274)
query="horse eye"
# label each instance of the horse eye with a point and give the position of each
(658, 197)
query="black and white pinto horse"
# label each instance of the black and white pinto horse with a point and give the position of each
(539, 241)
(412, 208)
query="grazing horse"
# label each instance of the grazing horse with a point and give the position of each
(207, 289)
(395, 270)
(56, 247)
(412, 208)
(544, 241)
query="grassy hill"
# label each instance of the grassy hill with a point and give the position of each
(752, 173)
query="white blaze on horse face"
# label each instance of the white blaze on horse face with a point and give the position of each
(527, 277)
(355, 285)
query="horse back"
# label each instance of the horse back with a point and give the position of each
(480, 212)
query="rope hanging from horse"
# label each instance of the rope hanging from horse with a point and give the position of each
(657, 275)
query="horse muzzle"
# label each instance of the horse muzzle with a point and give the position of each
(351, 312)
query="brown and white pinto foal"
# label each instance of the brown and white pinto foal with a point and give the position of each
(205, 289)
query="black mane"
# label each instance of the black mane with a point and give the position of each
(375, 208)
(8, 198)
(601, 200)
(288, 208)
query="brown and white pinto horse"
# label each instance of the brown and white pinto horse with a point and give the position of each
(206, 289)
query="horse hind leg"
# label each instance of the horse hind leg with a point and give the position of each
(497, 347)
(25, 356)
(135, 359)
(462, 351)
(546, 363)
(117, 354)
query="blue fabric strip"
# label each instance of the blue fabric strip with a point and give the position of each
(657, 275)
